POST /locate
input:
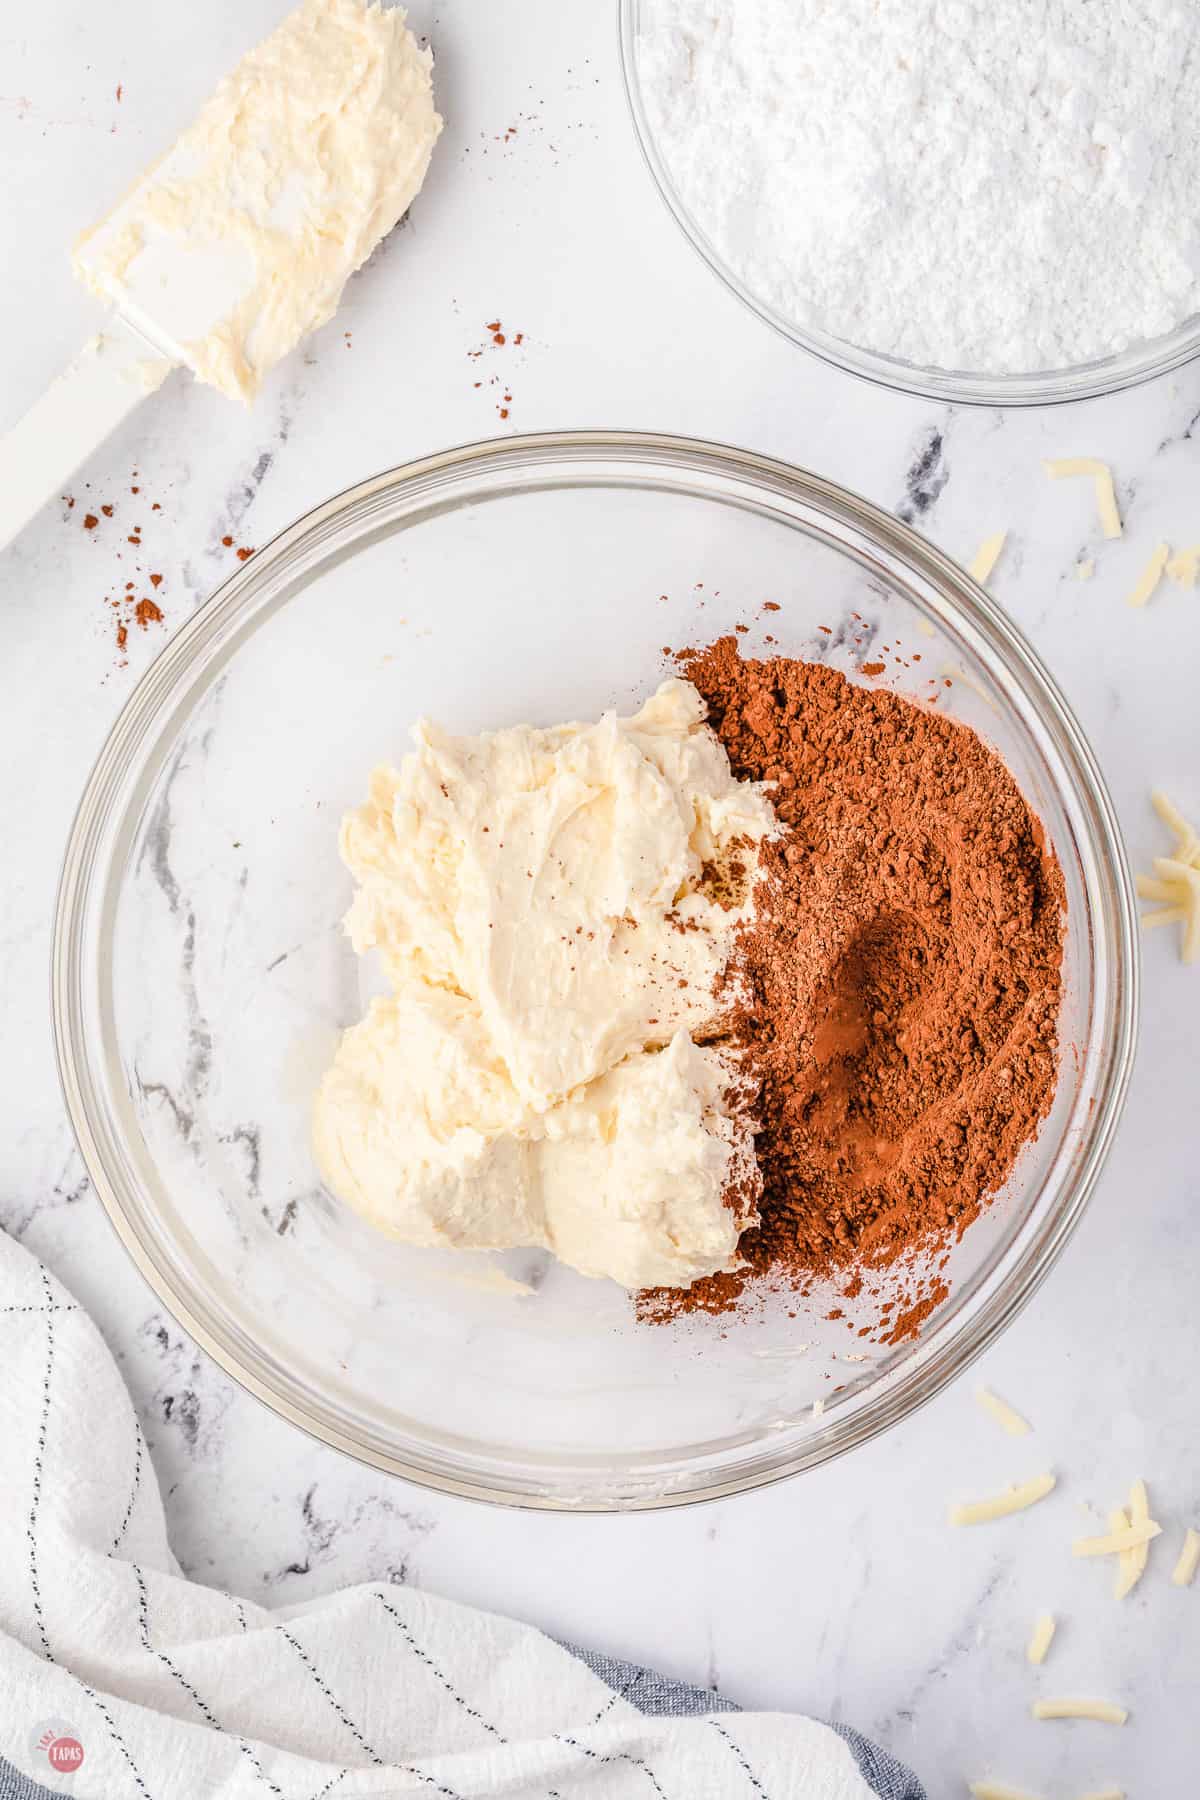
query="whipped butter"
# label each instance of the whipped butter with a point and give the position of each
(554, 910)
(238, 242)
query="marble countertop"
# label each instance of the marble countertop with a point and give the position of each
(840, 1593)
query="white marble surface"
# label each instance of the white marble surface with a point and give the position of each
(841, 1593)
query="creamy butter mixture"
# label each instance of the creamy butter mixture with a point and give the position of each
(554, 910)
(304, 158)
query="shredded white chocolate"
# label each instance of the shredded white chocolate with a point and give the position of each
(1127, 1539)
(1149, 578)
(1043, 1637)
(1184, 567)
(1184, 1571)
(1175, 884)
(1005, 1415)
(1103, 1712)
(1173, 819)
(1132, 1565)
(999, 1790)
(1062, 467)
(1016, 1499)
(987, 556)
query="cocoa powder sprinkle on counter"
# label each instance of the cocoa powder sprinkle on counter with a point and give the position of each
(121, 608)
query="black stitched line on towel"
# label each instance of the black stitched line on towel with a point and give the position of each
(617, 1694)
(416, 1649)
(137, 1482)
(185, 1684)
(330, 1785)
(52, 1307)
(36, 1503)
(118, 1740)
(351, 1727)
(448, 1685)
(244, 1747)
(755, 1783)
(638, 1762)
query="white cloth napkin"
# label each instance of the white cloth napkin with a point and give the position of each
(118, 1677)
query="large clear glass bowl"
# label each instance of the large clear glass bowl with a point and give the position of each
(200, 975)
(1040, 387)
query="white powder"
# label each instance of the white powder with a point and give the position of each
(997, 186)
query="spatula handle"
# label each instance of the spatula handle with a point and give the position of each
(112, 373)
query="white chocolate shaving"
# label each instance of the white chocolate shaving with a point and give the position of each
(1183, 1574)
(1149, 578)
(1103, 1712)
(1133, 1562)
(1016, 1499)
(1063, 467)
(987, 556)
(1184, 567)
(1175, 883)
(1004, 1415)
(1116, 1541)
(1043, 1637)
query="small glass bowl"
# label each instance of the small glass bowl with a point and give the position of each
(201, 975)
(1042, 387)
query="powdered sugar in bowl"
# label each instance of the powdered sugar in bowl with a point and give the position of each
(201, 975)
(961, 202)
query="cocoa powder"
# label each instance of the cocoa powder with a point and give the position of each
(896, 1000)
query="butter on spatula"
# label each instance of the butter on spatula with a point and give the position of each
(238, 242)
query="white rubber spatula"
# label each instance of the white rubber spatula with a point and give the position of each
(238, 243)
(75, 414)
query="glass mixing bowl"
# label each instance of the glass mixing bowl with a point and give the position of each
(1043, 387)
(201, 977)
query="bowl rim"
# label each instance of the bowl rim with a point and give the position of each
(1089, 380)
(104, 798)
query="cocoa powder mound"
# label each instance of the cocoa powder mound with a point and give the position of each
(899, 990)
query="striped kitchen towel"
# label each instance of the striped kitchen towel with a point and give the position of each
(119, 1678)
